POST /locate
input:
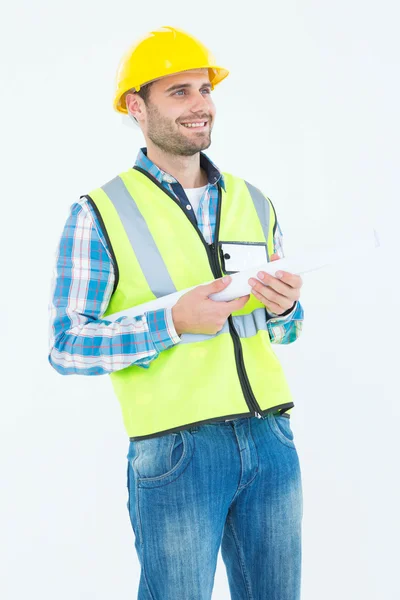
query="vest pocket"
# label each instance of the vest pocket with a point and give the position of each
(239, 256)
(281, 428)
(162, 459)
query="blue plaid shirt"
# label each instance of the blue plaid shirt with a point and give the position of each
(80, 341)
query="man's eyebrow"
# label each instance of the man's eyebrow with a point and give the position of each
(179, 86)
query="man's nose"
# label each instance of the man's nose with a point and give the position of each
(200, 103)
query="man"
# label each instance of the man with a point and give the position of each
(211, 460)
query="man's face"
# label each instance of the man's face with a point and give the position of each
(177, 99)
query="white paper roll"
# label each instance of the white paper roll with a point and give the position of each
(304, 262)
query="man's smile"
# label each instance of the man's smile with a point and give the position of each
(197, 125)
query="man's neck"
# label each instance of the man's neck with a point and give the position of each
(185, 169)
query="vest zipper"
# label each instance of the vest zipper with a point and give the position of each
(244, 380)
(212, 254)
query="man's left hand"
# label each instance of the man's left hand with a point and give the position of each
(277, 295)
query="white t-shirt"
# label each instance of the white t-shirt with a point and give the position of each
(194, 195)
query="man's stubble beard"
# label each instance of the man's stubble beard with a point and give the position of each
(163, 134)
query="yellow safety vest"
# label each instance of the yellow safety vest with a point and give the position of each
(157, 251)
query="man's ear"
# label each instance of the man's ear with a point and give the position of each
(135, 105)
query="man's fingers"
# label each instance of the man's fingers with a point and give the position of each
(290, 279)
(238, 303)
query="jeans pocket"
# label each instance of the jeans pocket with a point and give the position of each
(281, 428)
(161, 460)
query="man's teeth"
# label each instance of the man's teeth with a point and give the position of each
(194, 124)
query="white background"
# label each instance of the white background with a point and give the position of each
(309, 113)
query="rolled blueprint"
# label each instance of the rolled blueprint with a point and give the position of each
(360, 247)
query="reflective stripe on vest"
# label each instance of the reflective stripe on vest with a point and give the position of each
(142, 241)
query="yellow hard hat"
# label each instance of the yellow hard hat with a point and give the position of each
(159, 53)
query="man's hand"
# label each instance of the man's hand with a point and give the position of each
(277, 295)
(195, 312)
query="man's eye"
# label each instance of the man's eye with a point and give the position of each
(207, 90)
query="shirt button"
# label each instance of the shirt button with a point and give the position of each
(168, 179)
(188, 207)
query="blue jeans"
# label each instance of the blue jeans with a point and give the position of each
(234, 485)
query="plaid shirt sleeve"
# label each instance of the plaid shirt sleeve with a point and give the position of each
(284, 329)
(80, 341)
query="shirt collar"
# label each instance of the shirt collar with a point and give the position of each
(214, 175)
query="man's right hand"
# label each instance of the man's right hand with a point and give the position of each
(195, 312)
